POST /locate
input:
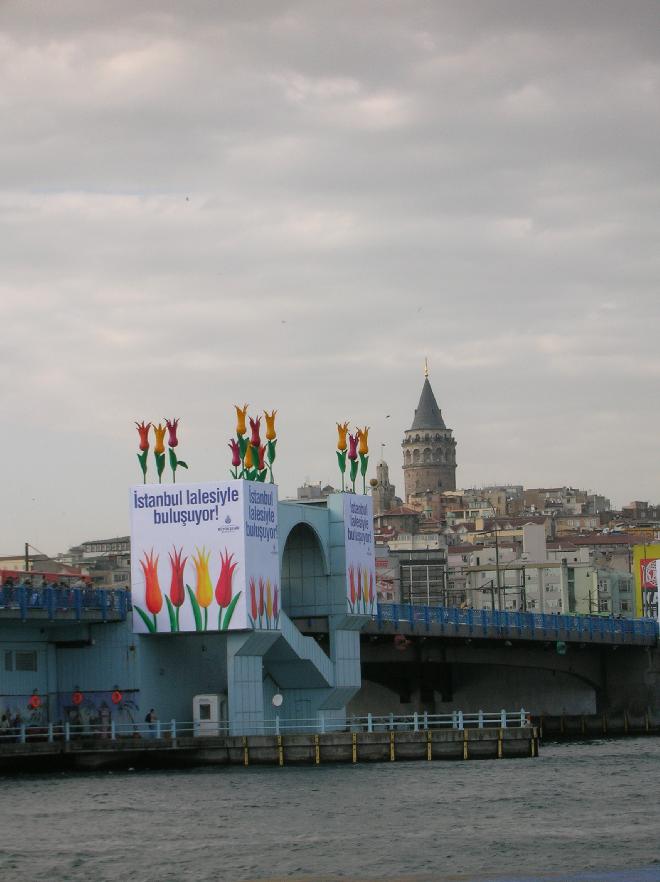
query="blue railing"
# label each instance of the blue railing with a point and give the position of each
(507, 623)
(56, 600)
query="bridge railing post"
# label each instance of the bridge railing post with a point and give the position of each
(370, 723)
(67, 731)
(277, 724)
(22, 737)
(503, 719)
(391, 722)
(415, 722)
(50, 732)
(426, 720)
(322, 722)
(481, 719)
(460, 719)
(522, 717)
(113, 730)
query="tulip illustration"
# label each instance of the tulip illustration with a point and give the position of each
(143, 432)
(177, 591)
(235, 456)
(159, 449)
(365, 588)
(241, 413)
(353, 456)
(276, 606)
(342, 429)
(248, 464)
(371, 590)
(203, 595)
(153, 596)
(363, 450)
(223, 590)
(271, 441)
(172, 442)
(253, 602)
(269, 603)
(351, 579)
(261, 599)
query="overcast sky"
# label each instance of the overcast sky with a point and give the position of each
(291, 205)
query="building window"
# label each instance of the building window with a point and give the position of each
(9, 661)
(26, 660)
(624, 606)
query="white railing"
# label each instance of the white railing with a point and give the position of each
(172, 729)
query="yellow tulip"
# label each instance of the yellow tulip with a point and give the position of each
(363, 437)
(204, 587)
(241, 413)
(269, 599)
(159, 432)
(270, 425)
(342, 429)
(248, 457)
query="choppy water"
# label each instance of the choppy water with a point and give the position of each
(592, 809)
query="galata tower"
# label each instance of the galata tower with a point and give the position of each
(429, 449)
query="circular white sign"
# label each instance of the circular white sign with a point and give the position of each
(277, 700)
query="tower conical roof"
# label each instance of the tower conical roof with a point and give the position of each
(427, 414)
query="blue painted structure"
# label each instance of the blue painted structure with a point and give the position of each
(82, 639)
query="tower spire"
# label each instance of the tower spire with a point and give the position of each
(426, 368)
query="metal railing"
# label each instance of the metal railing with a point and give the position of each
(53, 599)
(482, 622)
(173, 729)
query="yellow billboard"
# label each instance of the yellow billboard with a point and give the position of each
(646, 570)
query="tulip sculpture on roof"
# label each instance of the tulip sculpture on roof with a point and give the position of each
(250, 459)
(159, 449)
(170, 427)
(353, 447)
(172, 442)
(342, 447)
(143, 432)
(363, 452)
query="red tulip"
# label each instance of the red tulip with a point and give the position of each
(223, 585)
(262, 453)
(371, 588)
(351, 578)
(143, 431)
(352, 446)
(177, 592)
(172, 440)
(275, 602)
(153, 595)
(255, 440)
(235, 453)
(261, 597)
(253, 600)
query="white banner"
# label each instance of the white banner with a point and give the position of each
(360, 563)
(204, 557)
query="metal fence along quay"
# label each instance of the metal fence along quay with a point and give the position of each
(448, 621)
(53, 601)
(173, 729)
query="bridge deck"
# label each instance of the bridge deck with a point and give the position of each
(506, 625)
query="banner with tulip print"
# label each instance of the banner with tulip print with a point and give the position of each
(360, 555)
(204, 557)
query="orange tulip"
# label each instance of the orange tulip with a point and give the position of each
(363, 437)
(342, 429)
(270, 425)
(241, 414)
(159, 432)
(153, 594)
(248, 457)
